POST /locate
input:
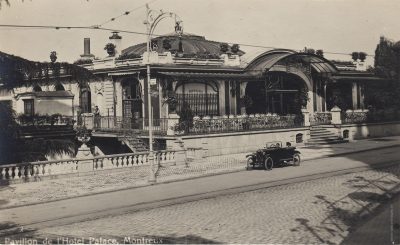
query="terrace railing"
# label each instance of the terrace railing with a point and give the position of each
(366, 116)
(26, 120)
(106, 123)
(321, 118)
(239, 123)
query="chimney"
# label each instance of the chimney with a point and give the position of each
(86, 49)
(117, 41)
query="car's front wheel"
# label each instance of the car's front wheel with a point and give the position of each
(268, 163)
(250, 163)
(296, 159)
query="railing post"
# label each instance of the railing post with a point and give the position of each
(180, 154)
(173, 119)
(335, 112)
(306, 116)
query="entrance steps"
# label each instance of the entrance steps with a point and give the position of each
(131, 139)
(322, 136)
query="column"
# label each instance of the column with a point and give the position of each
(324, 101)
(362, 95)
(118, 99)
(354, 95)
(242, 93)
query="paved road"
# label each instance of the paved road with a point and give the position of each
(95, 206)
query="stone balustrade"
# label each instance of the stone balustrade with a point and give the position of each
(24, 172)
(37, 170)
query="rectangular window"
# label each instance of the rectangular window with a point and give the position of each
(29, 108)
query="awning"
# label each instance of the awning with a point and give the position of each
(48, 94)
(205, 75)
(123, 73)
(266, 61)
(358, 79)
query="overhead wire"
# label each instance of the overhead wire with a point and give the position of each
(123, 14)
(141, 33)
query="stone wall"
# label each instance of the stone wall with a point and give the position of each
(366, 130)
(240, 142)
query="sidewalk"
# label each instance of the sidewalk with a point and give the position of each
(126, 178)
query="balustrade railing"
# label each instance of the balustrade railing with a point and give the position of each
(37, 170)
(239, 123)
(321, 118)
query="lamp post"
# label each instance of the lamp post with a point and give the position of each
(154, 17)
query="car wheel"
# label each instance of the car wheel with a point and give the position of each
(249, 164)
(296, 159)
(268, 163)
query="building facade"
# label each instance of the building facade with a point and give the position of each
(221, 87)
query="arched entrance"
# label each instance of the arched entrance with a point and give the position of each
(131, 98)
(85, 98)
(278, 92)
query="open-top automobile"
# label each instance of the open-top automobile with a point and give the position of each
(274, 154)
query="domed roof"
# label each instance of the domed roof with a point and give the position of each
(192, 45)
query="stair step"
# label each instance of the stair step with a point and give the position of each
(323, 134)
(339, 141)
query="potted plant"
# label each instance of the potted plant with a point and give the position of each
(224, 47)
(235, 48)
(110, 47)
(172, 102)
(166, 44)
(83, 134)
(53, 56)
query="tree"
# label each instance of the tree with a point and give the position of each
(385, 95)
(14, 149)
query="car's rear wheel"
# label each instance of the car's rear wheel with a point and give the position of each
(249, 163)
(296, 159)
(268, 163)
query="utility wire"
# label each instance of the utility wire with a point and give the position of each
(140, 33)
(123, 14)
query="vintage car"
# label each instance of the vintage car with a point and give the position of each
(274, 154)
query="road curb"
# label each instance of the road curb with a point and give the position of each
(191, 178)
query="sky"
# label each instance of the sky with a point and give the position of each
(340, 26)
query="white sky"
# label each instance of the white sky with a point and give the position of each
(331, 25)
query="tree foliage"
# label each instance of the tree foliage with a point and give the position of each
(14, 149)
(15, 70)
(385, 95)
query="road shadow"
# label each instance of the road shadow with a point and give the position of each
(346, 214)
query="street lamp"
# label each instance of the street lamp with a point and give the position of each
(153, 17)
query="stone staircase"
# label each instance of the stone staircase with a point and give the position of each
(322, 136)
(132, 140)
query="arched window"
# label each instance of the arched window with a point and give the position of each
(59, 87)
(37, 88)
(299, 138)
(85, 99)
(345, 134)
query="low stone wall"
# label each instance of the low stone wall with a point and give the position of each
(239, 142)
(366, 130)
